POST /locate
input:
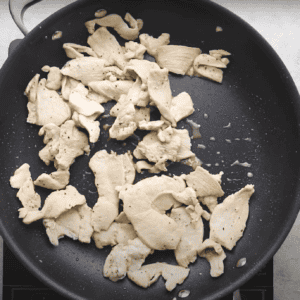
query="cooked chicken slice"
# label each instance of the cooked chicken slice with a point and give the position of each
(149, 274)
(51, 134)
(117, 23)
(177, 59)
(49, 107)
(66, 224)
(192, 237)
(72, 143)
(75, 51)
(74, 223)
(207, 60)
(175, 148)
(117, 233)
(89, 123)
(111, 90)
(157, 168)
(21, 180)
(85, 69)
(142, 114)
(54, 78)
(122, 218)
(134, 50)
(85, 227)
(31, 89)
(182, 106)
(215, 255)
(140, 68)
(184, 150)
(55, 204)
(80, 103)
(212, 73)
(218, 53)
(160, 93)
(204, 183)
(155, 229)
(125, 124)
(110, 170)
(67, 85)
(20, 176)
(228, 219)
(55, 181)
(151, 125)
(107, 48)
(124, 258)
(152, 43)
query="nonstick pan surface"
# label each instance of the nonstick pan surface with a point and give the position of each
(252, 116)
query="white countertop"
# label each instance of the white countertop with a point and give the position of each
(278, 22)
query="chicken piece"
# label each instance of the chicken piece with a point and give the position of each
(72, 143)
(155, 229)
(149, 274)
(182, 106)
(80, 103)
(117, 23)
(55, 181)
(151, 125)
(154, 150)
(111, 90)
(75, 51)
(51, 134)
(107, 48)
(49, 107)
(212, 73)
(196, 211)
(134, 50)
(110, 170)
(140, 68)
(157, 168)
(31, 89)
(192, 237)
(215, 255)
(207, 60)
(20, 176)
(152, 43)
(125, 124)
(177, 59)
(55, 204)
(204, 183)
(160, 93)
(124, 258)
(67, 85)
(117, 233)
(74, 223)
(89, 123)
(228, 220)
(122, 218)
(85, 227)
(54, 78)
(66, 224)
(85, 69)
(218, 53)
(142, 114)
(21, 180)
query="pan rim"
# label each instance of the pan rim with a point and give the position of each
(294, 97)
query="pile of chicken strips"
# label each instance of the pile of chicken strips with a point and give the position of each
(160, 212)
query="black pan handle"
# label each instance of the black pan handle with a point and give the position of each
(17, 9)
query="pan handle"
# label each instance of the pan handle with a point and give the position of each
(17, 9)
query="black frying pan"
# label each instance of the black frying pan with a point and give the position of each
(257, 96)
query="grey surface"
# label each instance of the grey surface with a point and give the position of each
(279, 23)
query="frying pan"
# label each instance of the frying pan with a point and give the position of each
(257, 99)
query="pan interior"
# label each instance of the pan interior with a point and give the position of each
(251, 117)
